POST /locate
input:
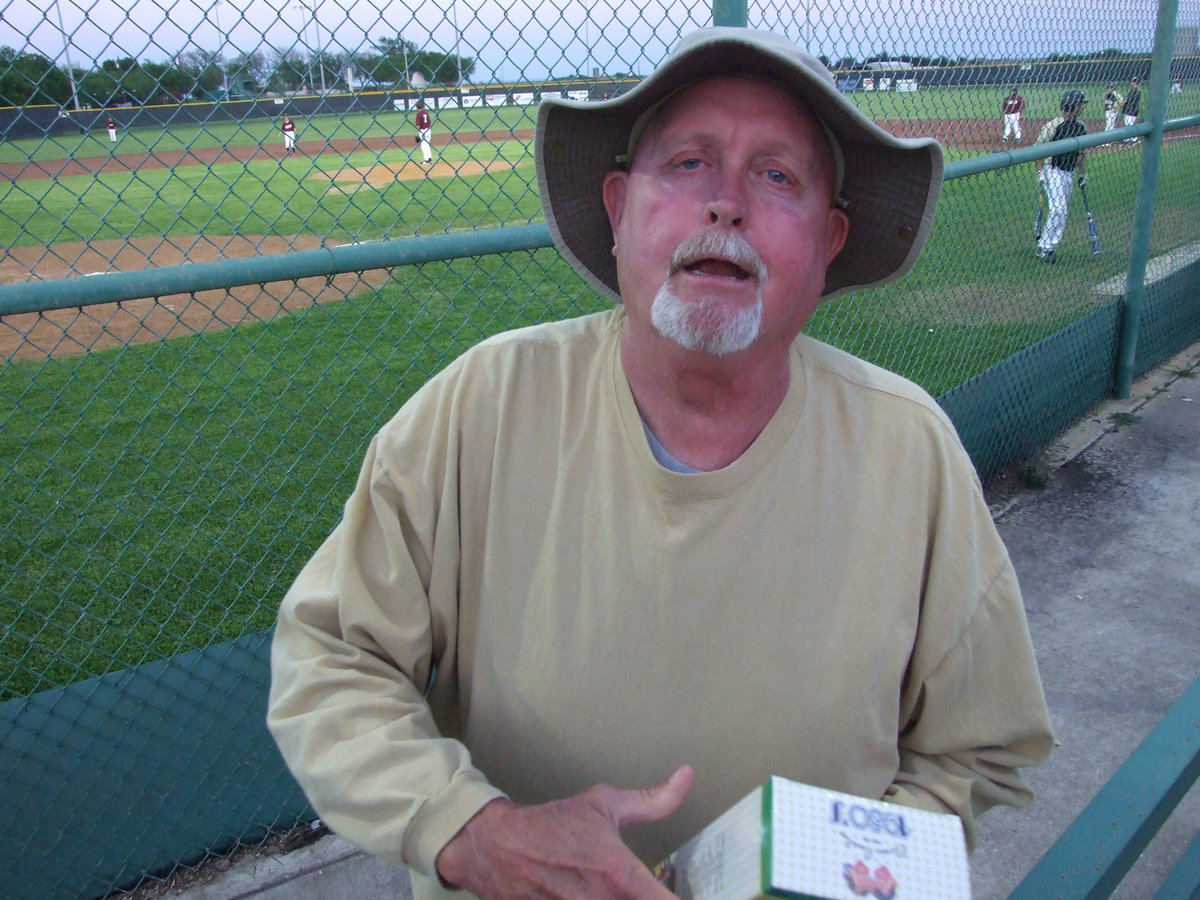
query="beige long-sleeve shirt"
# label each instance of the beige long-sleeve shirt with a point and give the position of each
(519, 599)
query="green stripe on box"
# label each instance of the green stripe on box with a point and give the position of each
(769, 888)
(764, 874)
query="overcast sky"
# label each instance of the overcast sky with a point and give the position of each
(512, 38)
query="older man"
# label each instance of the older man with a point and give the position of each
(674, 537)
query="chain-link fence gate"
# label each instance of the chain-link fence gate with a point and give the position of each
(202, 325)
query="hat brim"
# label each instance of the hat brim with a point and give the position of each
(891, 184)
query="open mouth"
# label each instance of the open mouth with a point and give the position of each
(718, 267)
(719, 254)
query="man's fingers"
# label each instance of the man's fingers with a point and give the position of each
(567, 848)
(635, 806)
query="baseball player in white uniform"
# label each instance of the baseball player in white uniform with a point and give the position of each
(1112, 106)
(1057, 172)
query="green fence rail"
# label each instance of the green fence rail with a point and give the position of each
(200, 332)
(1103, 842)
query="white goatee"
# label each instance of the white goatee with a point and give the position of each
(708, 323)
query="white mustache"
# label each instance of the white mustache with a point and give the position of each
(729, 246)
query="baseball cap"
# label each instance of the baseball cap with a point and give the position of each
(1072, 99)
(889, 185)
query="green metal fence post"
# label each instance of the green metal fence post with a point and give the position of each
(1143, 211)
(730, 12)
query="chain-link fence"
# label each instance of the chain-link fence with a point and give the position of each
(207, 313)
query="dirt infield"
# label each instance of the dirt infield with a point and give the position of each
(361, 176)
(74, 331)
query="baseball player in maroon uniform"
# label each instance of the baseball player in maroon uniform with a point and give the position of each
(1011, 108)
(112, 130)
(424, 132)
(289, 136)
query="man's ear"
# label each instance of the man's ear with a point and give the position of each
(616, 184)
(839, 230)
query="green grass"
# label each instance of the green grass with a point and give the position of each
(269, 197)
(160, 497)
(1041, 102)
(259, 131)
(977, 295)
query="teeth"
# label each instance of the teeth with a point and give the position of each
(721, 267)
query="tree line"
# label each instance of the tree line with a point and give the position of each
(32, 79)
(946, 62)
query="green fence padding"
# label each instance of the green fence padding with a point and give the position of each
(1170, 318)
(1015, 407)
(138, 770)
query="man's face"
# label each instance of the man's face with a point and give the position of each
(723, 225)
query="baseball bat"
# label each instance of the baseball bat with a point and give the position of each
(1041, 213)
(1093, 233)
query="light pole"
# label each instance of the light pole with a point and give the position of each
(220, 48)
(67, 53)
(302, 34)
(320, 52)
(457, 58)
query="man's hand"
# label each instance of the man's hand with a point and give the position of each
(568, 848)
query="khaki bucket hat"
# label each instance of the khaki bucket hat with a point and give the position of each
(890, 186)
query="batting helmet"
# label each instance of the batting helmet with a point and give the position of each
(1072, 99)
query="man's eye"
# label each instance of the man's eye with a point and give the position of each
(777, 177)
(690, 163)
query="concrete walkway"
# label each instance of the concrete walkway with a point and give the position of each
(1108, 553)
(1108, 559)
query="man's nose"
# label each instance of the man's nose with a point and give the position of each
(728, 205)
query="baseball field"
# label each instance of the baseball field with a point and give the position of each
(178, 458)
